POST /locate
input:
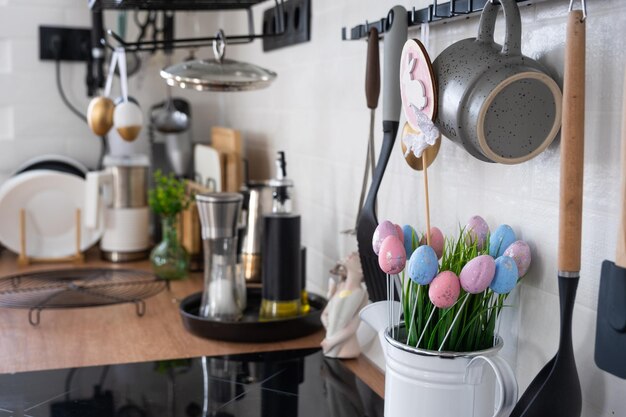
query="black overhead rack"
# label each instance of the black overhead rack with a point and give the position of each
(437, 12)
(172, 4)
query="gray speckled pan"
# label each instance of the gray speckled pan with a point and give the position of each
(498, 104)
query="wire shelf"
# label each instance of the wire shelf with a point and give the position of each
(172, 4)
(76, 288)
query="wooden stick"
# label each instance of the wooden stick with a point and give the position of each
(426, 198)
(620, 255)
(22, 259)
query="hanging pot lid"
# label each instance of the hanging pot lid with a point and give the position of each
(219, 74)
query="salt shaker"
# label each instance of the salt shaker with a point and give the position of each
(224, 296)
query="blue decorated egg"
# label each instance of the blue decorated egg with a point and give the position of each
(409, 235)
(477, 274)
(423, 265)
(500, 240)
(506, 275)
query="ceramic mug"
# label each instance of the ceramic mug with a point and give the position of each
(498, 104)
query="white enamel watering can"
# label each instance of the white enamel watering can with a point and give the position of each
(441, 384)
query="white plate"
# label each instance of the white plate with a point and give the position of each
(208, 167)
(61, 159)
(50, 199)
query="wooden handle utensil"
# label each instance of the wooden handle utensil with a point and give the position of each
(572, 146)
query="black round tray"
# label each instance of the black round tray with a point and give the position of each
(249, 329)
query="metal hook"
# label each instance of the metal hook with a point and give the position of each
(583, 5)
(219, 45)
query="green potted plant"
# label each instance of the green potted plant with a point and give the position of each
(167, 199)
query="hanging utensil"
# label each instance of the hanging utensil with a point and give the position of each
(169, 119)
(559, 378)
(372, 92)
(611, 322)
(219, 74)
(395, 36)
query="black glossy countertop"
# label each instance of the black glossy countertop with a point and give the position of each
(293, 383)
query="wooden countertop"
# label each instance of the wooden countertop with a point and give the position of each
(115, 334)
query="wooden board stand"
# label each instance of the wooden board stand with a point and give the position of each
(23, 259)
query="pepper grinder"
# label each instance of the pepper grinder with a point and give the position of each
(224, 296)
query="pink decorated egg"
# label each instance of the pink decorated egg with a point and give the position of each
(392, 256)
(477, 274)
(477, 231)
(444, 290)
(437, 241)
(399, 232)
(383, 230)
(520, 252)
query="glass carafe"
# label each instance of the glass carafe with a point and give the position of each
(224, 296)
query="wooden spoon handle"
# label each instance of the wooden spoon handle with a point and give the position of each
(572, 145)
(372, 70)
(620, 256)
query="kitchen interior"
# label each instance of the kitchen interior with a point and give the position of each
(187, 228)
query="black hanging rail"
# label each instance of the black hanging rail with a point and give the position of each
(434, 13)
(172, 4)
(275, 30)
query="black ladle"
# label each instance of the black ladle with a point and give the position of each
(555, 391)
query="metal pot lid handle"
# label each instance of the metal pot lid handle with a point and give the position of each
(219, 46)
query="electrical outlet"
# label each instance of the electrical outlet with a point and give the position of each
(65, 44)
(297, 21)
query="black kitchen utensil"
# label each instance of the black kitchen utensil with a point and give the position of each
(395, 36)
(555, 391)
(249, 329)
(611, 321)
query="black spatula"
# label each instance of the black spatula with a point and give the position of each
(611, 324)
(395, 36)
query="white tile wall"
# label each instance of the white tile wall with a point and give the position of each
(316, 112)
(33, 120)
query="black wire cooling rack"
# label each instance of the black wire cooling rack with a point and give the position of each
(76, 288)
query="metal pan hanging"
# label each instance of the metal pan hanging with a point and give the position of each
(219, 74)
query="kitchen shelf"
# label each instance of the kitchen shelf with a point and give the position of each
(437, 12)
(172, 4)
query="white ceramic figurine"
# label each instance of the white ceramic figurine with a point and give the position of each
(341, 315)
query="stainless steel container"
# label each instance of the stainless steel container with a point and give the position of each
(129, 185)
(224, 296)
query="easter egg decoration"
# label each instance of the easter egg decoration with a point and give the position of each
(127, 117)
(399, 232)
(100, 115)
(477, 274)
(506, 275)
(409, 236)
(128, 120)
(392, 256)
(423, 265)
(476, 231)
(444, 290)
(520, 252)
(501, 239)
(437, 241)
(384, 229)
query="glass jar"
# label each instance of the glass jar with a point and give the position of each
(169, 258)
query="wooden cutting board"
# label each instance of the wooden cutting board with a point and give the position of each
(226, 140)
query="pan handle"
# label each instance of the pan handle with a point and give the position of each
(395, 36)
(572, 147)
(372, 71)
